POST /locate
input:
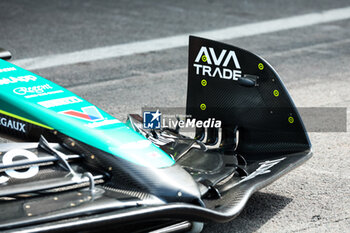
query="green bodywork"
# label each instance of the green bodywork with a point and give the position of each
(29, 97)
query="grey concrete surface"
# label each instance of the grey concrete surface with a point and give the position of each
(31, 28)
(314, 63)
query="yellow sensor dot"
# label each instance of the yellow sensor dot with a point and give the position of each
(276, 93)
(203, 107)
(291, 120)
(261, 66)
(204, 82)
(204, 58)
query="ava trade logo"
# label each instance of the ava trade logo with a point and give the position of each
(90, 113)
(225, 66)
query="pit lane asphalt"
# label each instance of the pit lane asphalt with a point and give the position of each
(312, 61)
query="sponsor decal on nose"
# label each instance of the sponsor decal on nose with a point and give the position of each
(90, 113)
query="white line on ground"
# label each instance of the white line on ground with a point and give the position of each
(121, 50)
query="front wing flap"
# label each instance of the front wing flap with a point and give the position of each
(110, 207)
